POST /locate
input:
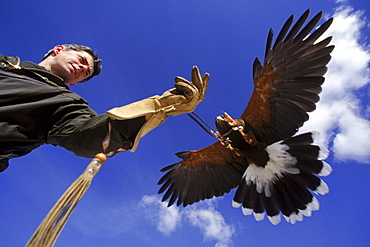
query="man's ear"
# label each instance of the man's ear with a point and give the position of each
(57, 49)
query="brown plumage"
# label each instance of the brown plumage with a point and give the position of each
(273, 170)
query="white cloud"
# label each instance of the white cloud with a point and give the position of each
(341, 113)
(212, 224)
(352, 141)
(203, 215)
(166, 218)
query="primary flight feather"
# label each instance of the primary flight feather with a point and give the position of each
(273, 170)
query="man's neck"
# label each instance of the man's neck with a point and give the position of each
(45, 64)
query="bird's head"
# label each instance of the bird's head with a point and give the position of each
(226, 125)
(234, 130)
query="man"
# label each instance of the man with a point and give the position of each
(37, 107)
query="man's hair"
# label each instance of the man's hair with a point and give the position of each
(97, 60)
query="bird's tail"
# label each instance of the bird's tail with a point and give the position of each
(283, 186)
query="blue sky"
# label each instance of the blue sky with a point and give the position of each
(144, 45)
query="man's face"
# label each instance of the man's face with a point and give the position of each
(72, 66)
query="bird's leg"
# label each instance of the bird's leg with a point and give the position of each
(226, 142)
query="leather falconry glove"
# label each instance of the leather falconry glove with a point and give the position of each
(182, 99)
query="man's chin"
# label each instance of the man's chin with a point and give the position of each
(70, 83)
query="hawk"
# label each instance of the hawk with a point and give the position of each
(274, 170)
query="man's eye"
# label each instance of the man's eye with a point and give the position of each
(82, 60)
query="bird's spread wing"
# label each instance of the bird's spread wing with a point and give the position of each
(202, 174)
(286, 87)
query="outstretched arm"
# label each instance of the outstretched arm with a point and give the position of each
(80, 130)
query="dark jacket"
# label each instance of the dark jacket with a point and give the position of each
(36, 107)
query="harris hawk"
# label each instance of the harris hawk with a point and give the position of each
(274, 170)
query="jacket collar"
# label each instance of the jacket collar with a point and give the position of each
(43, 73)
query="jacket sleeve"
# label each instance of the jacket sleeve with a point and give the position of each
(81, 130)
